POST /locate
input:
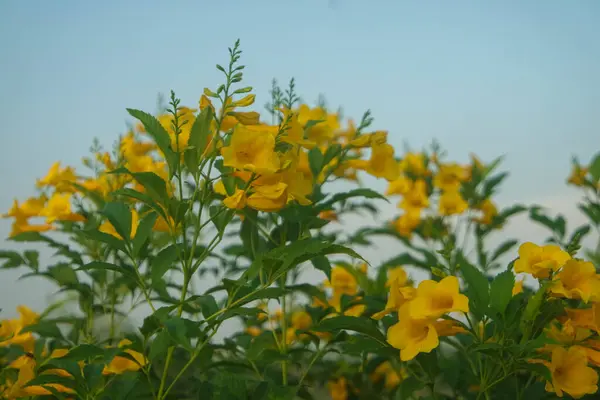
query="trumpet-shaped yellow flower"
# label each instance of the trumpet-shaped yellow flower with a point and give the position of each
(253, 331)
(414, 163)
(186, 118)
(412, 336)
(416, 196)
(452, 203)
(408, 222)
(434, 299)
(588, 318)
(120, 364)
(399, 293)
(391, 376)
(449, 177)
(252, 150)
(401, 185)
(10, 330)
(237, 200)
(323, 131)
(446, 327)
(578, 174)
(342, 282)
(108, 228)
(268, 198)
(301, 320)
(488, 210)
(338, 389)
(382, 163)
(26, 365)
(59, 178)
(571, 374)
(540, 261)
(577, 280)
(59, 208)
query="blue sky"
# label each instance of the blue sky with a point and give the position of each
(497, 77)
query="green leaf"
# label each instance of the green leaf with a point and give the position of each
(177, 330)
(143, 197)
(105, 238)
(32, 258)
(200, 132)
(63, 274)
(143, 231)
(535, 215)
(153, 128)
(322, 264)
(478, 286)
(315, 161)
(119, 216)
(361, 192)
(357, 324)
(47, 329)
(594, 167)
(310, 290)
(124, 269)
(207, 303)
(332, 151)
(13, 259)
(159, 345)
(83, 352)
(219, 218)
(163, 262)
(503, 248)
(501, 291)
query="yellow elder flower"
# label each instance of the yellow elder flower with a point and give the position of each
(392, 377)
(268, 198)
(434, 299)
(237, 200)
(414, 163)
(338, 389)
(488, 210)
(452, 203)
(323, 131)
(577, 280)
(399, 293)
(408, 222)
(252, 150)
(416, 197)
(401, 185)
(588, 318)
(26, 365)
(186, 119)
(449, 177)
(119, 364)
(253, 331)
(342, 282)
(577, 176)
(382, 163)
(570, 373)
(59, 208)
(59, 178)
(10, 330)
(412, 336)
(108, 228)
(518, 287)
(301, 320)
(539, 261)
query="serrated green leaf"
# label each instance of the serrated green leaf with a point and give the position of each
(200, 132)
(501, 291)
(63, 274)
(503, 248)
(361, 192)
(159, 345)
(177, 329)
(322, 264)
(143, 231)
(153, 128)
(594, 167)
(47, 329)
(478, 286)
(105, 238)
(315, 161)
(124, 269)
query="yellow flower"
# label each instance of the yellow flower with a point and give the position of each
(434, 299)
(59, 208)
(237, 200)
(338, 389)
(108, 228)
(10, 330)
(399, 293)
(539, 261)
(246, 101)
(26, 365)
(59, 178)
(392, 377)
(577, 176)
(252, 150)
(571, 374)
(566, 333)
(452, 203)
(301, 320)
(412, 336)
(268, 198)
(414, 163)
(489, 211)
(577, 280)
(119, 364)
(294, 134)
(253, 331)
(449, 177)
(518, 287)
(186, 119)
(382, 163)
(323, 131)
(446, 327)
(588, 318)
(416, 197)
(343, 282)
(408, 222)
(329, 215)
(402, 185)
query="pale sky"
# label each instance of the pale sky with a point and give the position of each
(510, 77)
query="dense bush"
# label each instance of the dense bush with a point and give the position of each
(216, 194)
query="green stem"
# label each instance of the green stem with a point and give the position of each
(284, 369)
